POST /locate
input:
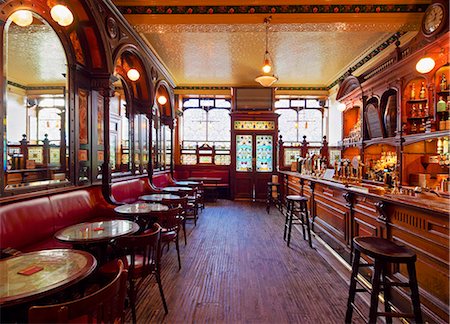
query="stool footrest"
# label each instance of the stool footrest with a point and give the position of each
(365, 265)
(405, 315)
(397, 284)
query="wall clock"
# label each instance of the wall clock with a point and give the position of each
(434, 19)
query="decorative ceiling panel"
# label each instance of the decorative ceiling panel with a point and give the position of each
(35, 56)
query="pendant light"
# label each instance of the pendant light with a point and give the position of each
(267, 79)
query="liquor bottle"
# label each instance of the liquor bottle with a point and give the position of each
(422, 91)
(413, 91)
(443, 82)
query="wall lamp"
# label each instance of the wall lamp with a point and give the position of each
(341, 106)
(61, 13)
(427, 63)
(22, 18)
(162, 100)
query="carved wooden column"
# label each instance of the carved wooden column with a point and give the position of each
(312, 208)
(46, 150)
(304, 147)
(383, 219)
(324, 151)
(350, 201)
(302, 184)
(280, 153)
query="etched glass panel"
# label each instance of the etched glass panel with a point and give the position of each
(188, 159)
(222, 159)
(244, 151)
(310, 124)
(291, 155)
(194, 124)
(254, 125)
(219, 125)
(264, 153)
(287, 124)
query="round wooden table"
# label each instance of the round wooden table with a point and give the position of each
(95, 232)
(187, 183)
(57, 269)
(158, 197)
(175, 189)
(139, 209)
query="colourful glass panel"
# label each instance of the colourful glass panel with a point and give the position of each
(264, 153)
(291, 155)
(205, 159)
(188, 159)
(254, 125)
(244, 153)
(222, 159)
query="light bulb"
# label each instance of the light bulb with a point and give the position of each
(22, 18)
(62, 15)
(425, 65)
(266, 68)
(341, 106)
(133, 74)
(162, 100)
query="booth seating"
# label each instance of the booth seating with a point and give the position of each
(162, 180)
(29, 225)
(129, 191)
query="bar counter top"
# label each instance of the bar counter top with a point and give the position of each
(423, 200)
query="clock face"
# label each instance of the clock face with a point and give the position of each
(434, 17)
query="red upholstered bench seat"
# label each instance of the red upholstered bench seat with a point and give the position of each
(161, 180)
(29, 225)
(129, 191)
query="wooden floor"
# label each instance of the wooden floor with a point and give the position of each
(236, 268)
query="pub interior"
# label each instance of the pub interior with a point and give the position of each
(153, 172)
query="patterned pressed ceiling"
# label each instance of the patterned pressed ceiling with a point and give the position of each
(215, 43)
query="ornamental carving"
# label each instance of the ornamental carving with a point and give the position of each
(381, 208)
(111, 27)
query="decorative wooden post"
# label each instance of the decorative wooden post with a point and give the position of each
(280, 153)
(349, 198)
(304, 147)
(324, 152)
(24, 151)
(46, 150)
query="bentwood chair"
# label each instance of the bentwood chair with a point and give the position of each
(182, 202)
(142, 254)
(191, 210)
(171, 222)
(103, 306)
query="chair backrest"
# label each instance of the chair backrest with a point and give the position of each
(170, 219)
(182, 201)
(103, 306)
(146, 245)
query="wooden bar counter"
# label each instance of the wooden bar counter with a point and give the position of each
(339, 213)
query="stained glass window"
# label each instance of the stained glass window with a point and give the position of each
(264, 152)
(244, 153)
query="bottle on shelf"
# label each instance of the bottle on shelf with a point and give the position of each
(413, 92)
(422, 91)
(443, 83)
(442, 113)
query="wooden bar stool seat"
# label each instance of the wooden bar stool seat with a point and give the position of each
(297, 213)
(383, 251)
(270, 198)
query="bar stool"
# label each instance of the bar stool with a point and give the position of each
(302, 218)
(383, 251)
(270, 199)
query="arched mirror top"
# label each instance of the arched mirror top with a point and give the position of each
(165, 103)
(131, 69)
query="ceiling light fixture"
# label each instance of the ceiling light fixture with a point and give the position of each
(162, 100)
(61, 14)
(267, 79)
(22, 18)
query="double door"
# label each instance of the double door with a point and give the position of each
(254, 157)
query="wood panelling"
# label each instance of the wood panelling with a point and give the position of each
(342, 214)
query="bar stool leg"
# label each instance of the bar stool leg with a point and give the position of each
(291, 215)
(308, 229)
(302, 219)
(415, 299)
(286, 219)
(352, 290)
(387, 294)
(269, 193)
(378, 266)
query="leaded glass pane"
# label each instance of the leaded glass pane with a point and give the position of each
(194, 124)
(222, 159)
(291, 155)
(188, 159)
(264, 153)
(244, 153)
(310, 124)
(223, 103)
(287, 124)
(219, 125)
(188, 103)
(282, 103)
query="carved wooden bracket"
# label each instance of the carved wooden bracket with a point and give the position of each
(349, 198)
(312, 185)
(381, 208)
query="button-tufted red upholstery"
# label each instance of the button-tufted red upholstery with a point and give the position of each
(162, 180)
(130, 190)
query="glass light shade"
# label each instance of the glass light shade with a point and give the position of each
(425, 65)
(341, 106)
(133, 74)
(22, 18)
(162, 100)
(62, 15)
(266, 80)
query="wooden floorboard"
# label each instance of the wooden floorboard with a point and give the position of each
(236, 268)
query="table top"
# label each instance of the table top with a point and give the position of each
(92, 232)
(140, 208)
(187, 183)
(205, 179)
(60, 269)
(176, 189)
(158, 197)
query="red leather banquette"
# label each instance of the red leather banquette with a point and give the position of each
(29, 225)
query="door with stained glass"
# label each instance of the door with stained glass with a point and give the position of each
(253, 157)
